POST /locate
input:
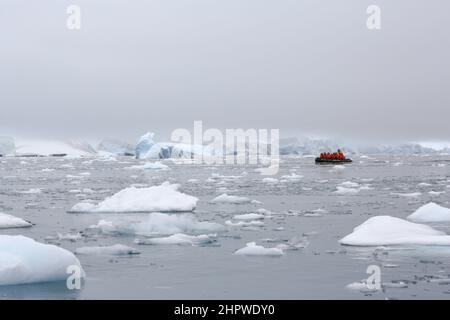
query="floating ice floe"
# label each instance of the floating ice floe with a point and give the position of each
(270, 180)
(158, 224)
(225, 198)
(149, 166)
(9, 221)
(116, 249)
(25, 261)
(435, 193)
(387, 230)
(248, 216)
(252, 249)
(292, 177)
(180, 239)
(408, 195)
(430, 212)
(32, 191)
(346, 191)
(164, 197)
(424, 184)
(252, 223)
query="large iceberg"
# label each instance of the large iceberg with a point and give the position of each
(431, 212)
(165, 198)
(24, 261)
(75, 148)
(387, 230)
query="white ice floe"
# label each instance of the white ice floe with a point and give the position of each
(164, 197)
(149, 166)
(346, 191)
(292, 177)
(180, 239)
(9, 221)
(24, 261)
(362, 287)
(252, 249)
(251, 223)
(32, 191)
(387, 230)
(270, 180)
(430, 212)
(225, 198)
(116, 249)
(158, 223)
(408, 195)
(248, 216)
(435, 193)
(350, 184)
(424, 184)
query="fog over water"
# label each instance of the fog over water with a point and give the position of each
(305, 67)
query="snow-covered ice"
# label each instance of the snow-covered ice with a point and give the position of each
(430, 212)
(225, 198)
(158, 223)
(252, 249)
(387, 230)
(9, 221)
(164, 197)
(116, 249)
(24, 261)
(180, 239)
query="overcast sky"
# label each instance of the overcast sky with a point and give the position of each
(302, 66)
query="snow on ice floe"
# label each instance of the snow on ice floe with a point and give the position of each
(180, 239)
(31, 191)
(291, 177)
(225, 198)
(346, 191)
(387, 230)
(246, 223)
(158, 223)
(25, 261)
(252, 249)
(408, 195)
(164, 197)
(9, 221)
(116, 249)
(149, 166)
(270, 180)
(430, 212)
(248, 216)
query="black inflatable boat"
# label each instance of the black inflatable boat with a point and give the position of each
(332, 161)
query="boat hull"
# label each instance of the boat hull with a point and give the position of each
(332, 161)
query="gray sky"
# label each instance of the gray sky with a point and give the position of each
(301, 66)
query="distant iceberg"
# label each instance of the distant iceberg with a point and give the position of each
(116, 147)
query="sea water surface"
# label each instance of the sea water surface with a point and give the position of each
(307, 208)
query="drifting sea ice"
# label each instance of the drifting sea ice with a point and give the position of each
(164, 197)
(225, 198)
(149, 165)
(387, 230)
(158, 224)
(430, 212)
(248, 216)
(116, 249)
(180, 239)
(9, 221)
(252, 249)
(24, 261)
